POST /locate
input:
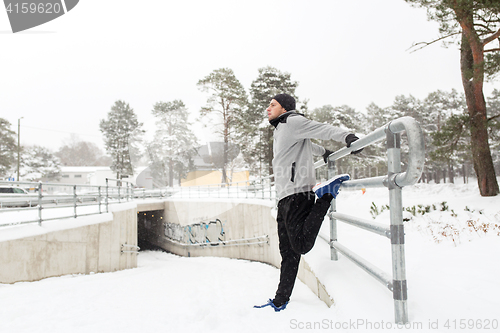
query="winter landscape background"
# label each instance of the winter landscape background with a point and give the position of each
(349, 63)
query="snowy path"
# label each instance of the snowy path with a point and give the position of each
(165, 293)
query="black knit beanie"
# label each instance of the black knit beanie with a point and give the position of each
(286, 101)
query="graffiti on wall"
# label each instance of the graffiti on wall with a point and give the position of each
(198, 233)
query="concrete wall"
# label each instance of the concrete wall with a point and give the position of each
(75, 246)
(68, 247)
(239, 221)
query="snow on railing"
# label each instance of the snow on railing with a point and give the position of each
(38, 202)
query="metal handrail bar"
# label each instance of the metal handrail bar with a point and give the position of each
(225, 243)
(377, 273)
(378, 228)
(416, 156)
(18, 209)
(130, 245)
(374, 271)
(46, 184)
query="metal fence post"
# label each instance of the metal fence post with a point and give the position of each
(74, 199)
(333, 221)
(100, 199)
(107, 195)
(399, 291)
(40, 203)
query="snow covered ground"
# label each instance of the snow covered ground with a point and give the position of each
(453, 272)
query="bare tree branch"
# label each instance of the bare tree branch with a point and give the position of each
(424, 44)
(491, 118)
(492, 37)
(492, 50)
(485, 27)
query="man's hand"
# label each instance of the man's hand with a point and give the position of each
(349, 140)
(326, 154)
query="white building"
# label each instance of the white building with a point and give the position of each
(96, 175)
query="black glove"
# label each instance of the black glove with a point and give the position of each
(349, 140)
(326, 154)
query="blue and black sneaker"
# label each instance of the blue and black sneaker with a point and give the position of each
(271, 304)
(331, 186)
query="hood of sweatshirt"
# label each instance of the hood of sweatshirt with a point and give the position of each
(282, 118)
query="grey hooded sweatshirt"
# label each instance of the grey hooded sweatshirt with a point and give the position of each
(293, 151)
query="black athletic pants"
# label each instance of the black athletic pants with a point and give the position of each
(299, 220)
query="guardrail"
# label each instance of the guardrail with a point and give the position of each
(395, 180)
(69, 200)
(262, 188)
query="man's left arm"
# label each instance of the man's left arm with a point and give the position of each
(309, 129)
(304, 128)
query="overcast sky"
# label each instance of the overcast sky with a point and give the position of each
(63, 77)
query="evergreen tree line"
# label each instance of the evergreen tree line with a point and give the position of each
(445, 122)
(240, 119)
(40, 163)
(454, 138)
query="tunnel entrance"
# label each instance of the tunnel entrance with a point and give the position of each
(147, 227)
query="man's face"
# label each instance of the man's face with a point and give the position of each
(274, 110)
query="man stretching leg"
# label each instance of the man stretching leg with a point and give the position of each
(299, 215)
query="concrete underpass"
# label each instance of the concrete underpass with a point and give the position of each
(109, 242)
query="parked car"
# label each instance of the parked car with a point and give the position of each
(11, 196)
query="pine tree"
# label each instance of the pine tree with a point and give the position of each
(258, 134)
(121, 130)
(441, 112)
(227, 101)
(377, 116)
(345, 117)
(7, 147)
(494, 127)
(38, 163)
(477, 23)
(173, 145)
(451, 143)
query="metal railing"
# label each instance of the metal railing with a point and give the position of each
(263, 188)
(69, 200)
(395, 180)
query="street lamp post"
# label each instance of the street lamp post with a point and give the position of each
(18, 145)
